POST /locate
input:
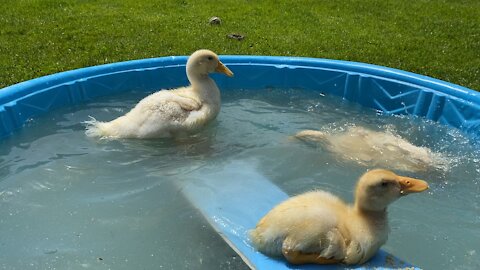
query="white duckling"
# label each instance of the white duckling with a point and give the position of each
(168, 113)
(318, 227)
(377, 149)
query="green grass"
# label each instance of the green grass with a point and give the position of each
(440, 39)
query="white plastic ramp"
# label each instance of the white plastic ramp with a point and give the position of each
(235, 198)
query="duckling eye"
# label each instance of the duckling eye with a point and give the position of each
(384, 184)
(210, 58)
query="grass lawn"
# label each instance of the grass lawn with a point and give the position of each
(440, 39)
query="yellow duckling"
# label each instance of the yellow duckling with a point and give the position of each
(168, 113)
(318, 227)
(377, 149)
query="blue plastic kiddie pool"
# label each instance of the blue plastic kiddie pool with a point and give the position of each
(385, 89)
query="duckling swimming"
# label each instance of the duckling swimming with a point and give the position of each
(168, 113)
(377, 149)
(318, 227)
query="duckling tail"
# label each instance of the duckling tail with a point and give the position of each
(270, 247)
(94, 128)
(311, 136)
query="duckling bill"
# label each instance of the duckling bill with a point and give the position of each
(168, 113)
(318, 227)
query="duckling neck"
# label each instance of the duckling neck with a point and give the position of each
(379, 218)
(196, 76)
(206, 89)
(372, 213)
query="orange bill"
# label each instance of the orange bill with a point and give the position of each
(223, 69)
(411, 185)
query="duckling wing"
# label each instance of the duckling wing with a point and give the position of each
(186, 103)
(323, 248)
(169, 102)
(161, 111)
(302, 228)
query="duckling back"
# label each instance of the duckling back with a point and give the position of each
(377, 149)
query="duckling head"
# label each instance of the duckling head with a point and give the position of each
(203, 62)
(378, 188)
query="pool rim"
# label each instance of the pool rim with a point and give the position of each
(448, 88)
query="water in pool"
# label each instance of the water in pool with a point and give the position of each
(72, 202)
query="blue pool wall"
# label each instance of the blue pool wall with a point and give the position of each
(389, 90)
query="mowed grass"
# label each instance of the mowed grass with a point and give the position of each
(440, 39)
